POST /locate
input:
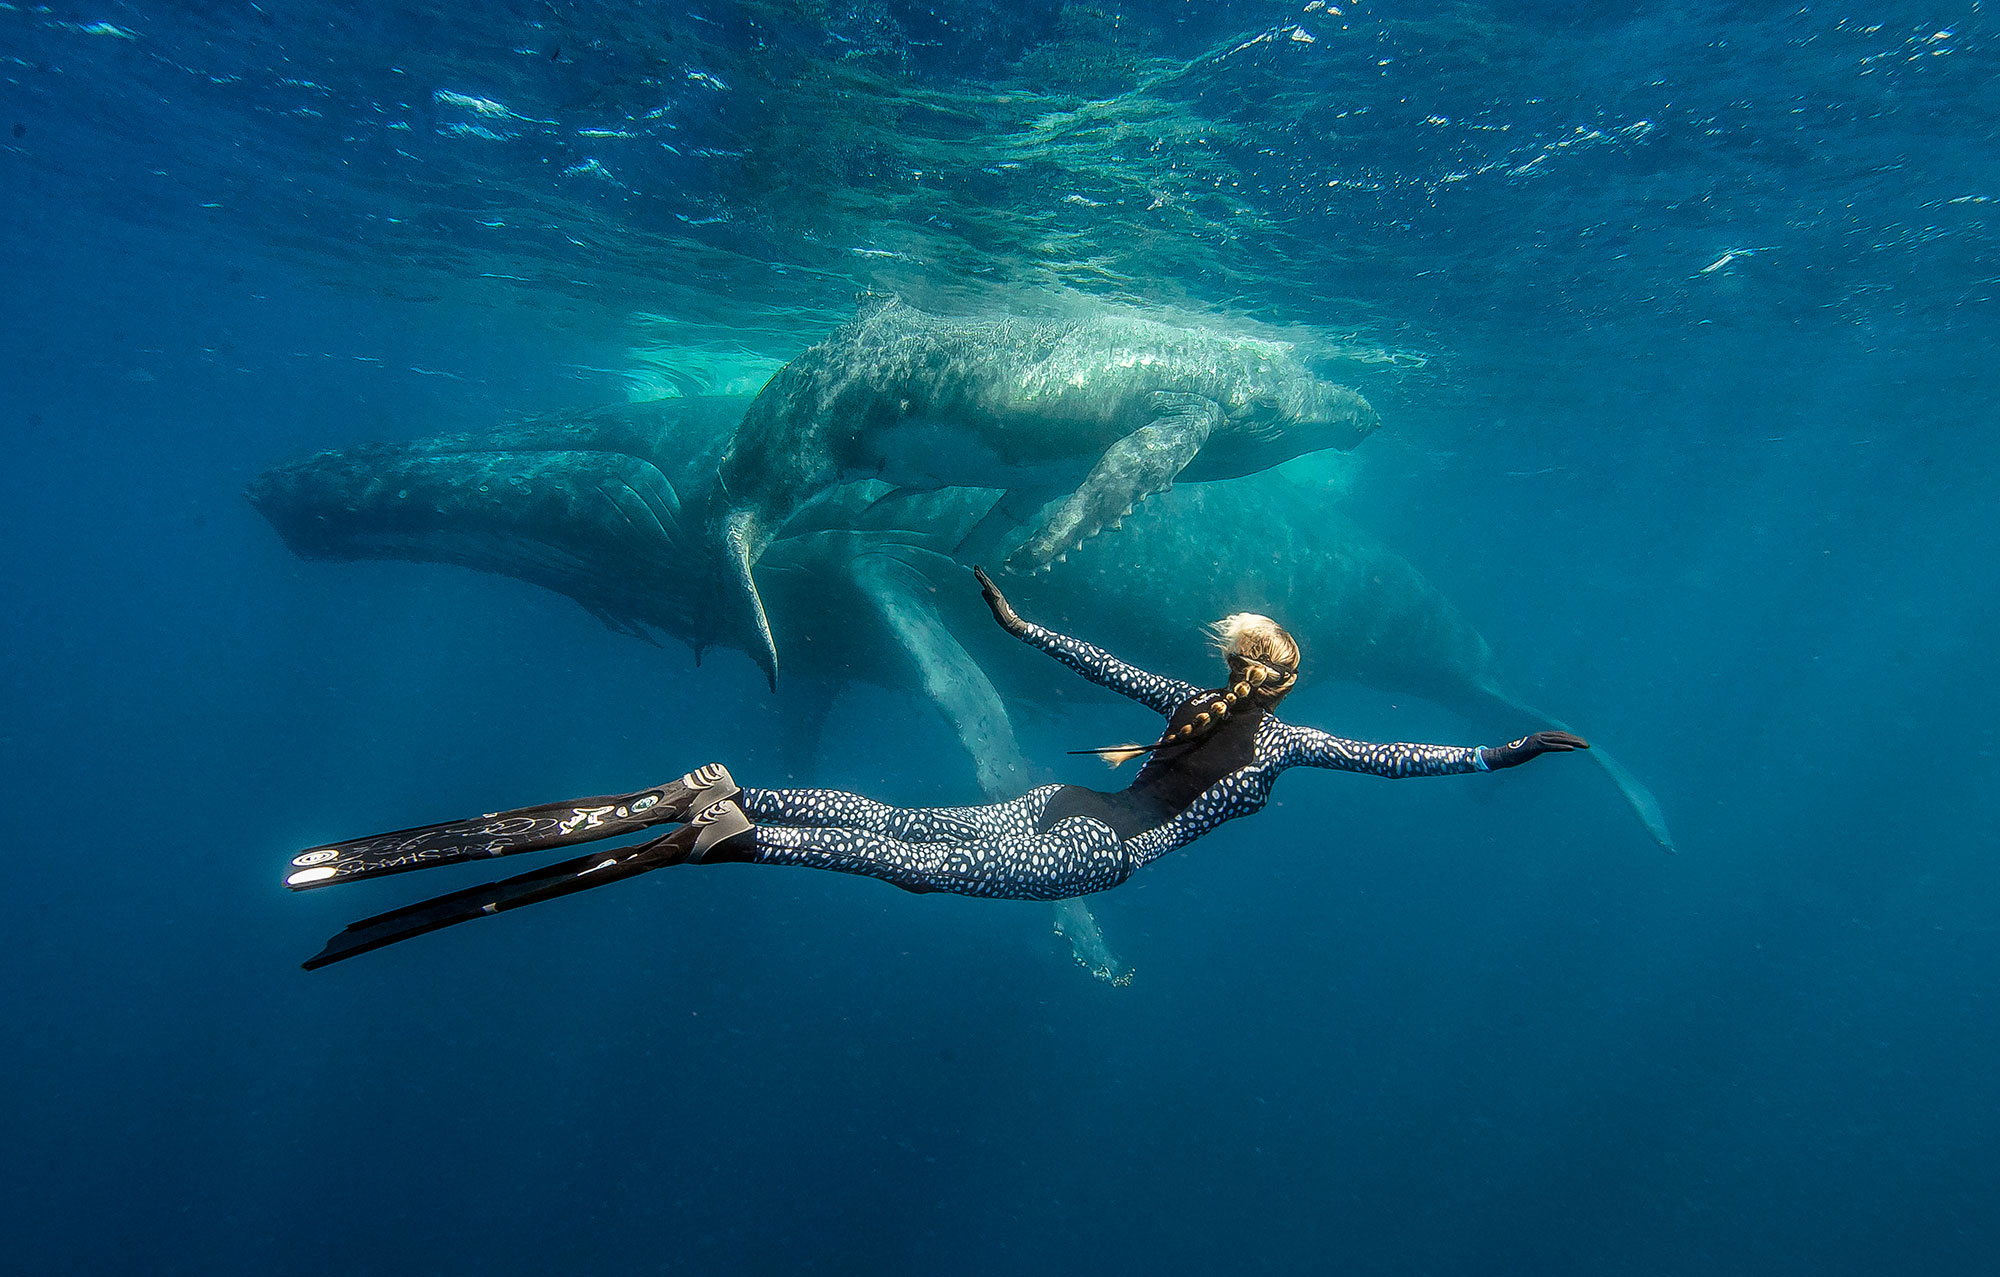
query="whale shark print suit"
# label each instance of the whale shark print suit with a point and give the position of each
(1012, 850)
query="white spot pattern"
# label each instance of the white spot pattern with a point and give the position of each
(1156, 692)
(990, 851)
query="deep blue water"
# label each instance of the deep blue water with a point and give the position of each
(1682, 322)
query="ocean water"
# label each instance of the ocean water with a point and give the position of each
(1680, 319)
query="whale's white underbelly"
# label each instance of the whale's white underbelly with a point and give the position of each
(928, 453)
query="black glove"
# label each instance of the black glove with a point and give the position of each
(1514, 753)
(1003, 611)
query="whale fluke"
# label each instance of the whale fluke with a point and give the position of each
(1639, 798)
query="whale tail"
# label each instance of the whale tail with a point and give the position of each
(743, 541)
(1639, 798)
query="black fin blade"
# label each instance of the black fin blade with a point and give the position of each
(571, 876)
(504, 833)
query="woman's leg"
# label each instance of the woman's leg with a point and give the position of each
(1078, 856)
(838, 809)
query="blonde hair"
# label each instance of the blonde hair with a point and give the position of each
(1263, 666)
(1260, 652)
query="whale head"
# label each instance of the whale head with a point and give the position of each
(1297, 401)
(1283, 415)
(602, 505)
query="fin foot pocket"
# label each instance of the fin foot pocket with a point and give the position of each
(717, 823)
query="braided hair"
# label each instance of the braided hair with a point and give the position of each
(1263, 666)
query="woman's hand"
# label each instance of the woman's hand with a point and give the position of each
(1514, 753)
(1003, 611)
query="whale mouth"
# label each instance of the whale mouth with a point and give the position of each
(742, 537)
(1348, 411)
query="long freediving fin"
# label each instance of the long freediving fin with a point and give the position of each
(580, 874)
(506, 833)
(690, 843)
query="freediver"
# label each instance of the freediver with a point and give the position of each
(1220, 754)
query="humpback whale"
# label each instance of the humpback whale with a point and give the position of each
(601, 504)
(1078, 419)
(865, 582)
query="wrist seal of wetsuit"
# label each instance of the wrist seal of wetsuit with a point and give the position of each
(1514, 753)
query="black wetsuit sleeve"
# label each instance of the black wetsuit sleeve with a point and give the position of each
(1310, 747)
(1157, 693)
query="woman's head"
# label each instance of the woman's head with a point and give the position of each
(1263, 665)
(1263, 656)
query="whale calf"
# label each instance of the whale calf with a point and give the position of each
(1078, 420)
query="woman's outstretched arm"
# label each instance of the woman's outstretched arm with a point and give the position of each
(1155, 692)
(1310, 747)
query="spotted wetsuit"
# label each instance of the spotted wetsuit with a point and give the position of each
(1063, 840)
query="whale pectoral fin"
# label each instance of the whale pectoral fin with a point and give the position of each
(952, 679)
(741, 544)
(807, 704)
(1134, 468)
(1076, 924)
(998, 531)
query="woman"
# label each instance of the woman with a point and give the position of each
(1220, 753)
